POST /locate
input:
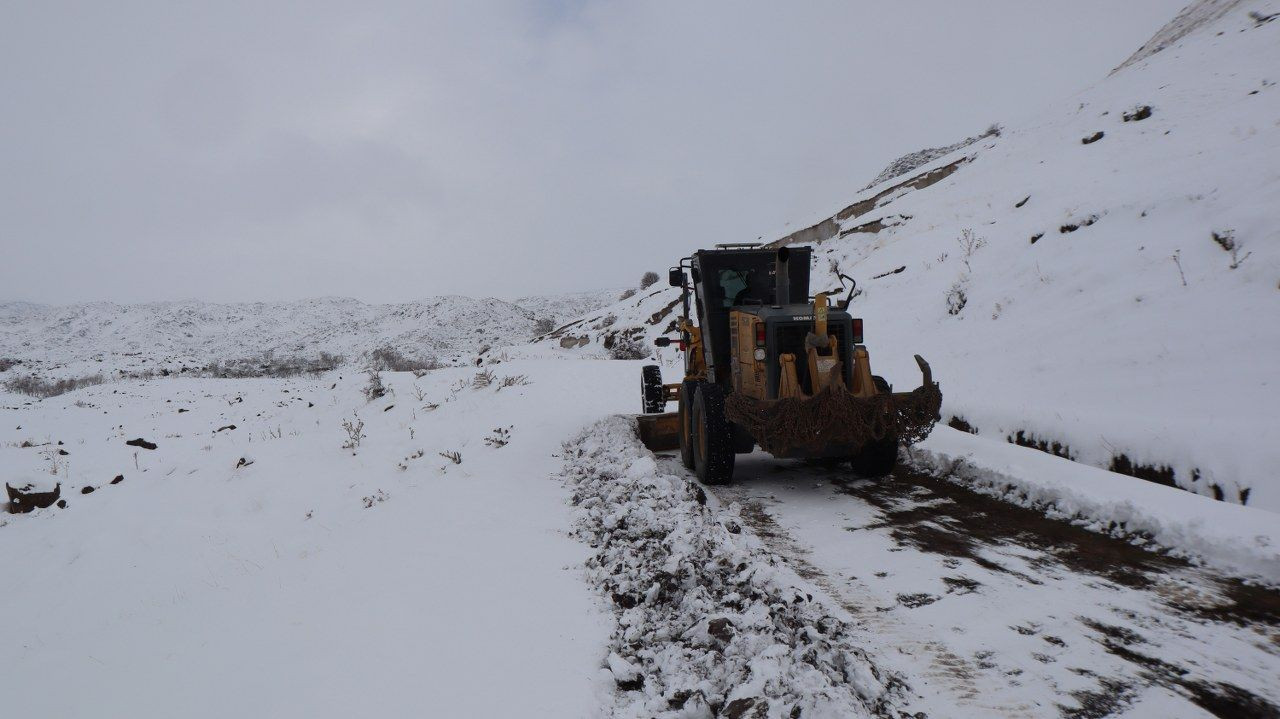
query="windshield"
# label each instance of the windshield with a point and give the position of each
(733, 283)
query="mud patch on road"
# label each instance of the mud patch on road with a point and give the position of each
(1142, 621)
(1221, 699)
(1113, 696)
(931, 514)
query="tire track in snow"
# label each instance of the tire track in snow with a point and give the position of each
(947, 669)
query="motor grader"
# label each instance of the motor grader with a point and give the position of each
(767, 365)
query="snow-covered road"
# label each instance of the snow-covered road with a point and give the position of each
(994, 610)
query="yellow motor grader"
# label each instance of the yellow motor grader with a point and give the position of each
(761, 368)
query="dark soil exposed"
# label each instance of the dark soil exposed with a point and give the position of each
(969, 522)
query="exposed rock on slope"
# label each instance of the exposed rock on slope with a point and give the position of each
(913, 160)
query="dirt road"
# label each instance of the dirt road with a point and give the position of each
(988, 609)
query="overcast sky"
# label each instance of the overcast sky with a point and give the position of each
(395, 150)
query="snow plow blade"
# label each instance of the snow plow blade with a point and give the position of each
(836, 422)
(660, 432)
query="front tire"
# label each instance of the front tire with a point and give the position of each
(713, 455)
(651, 389)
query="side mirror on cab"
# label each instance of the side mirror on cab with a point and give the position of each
(663, 342)
(675, 277)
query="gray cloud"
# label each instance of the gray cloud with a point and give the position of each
(389, 151)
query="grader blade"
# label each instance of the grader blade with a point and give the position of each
(660, 432)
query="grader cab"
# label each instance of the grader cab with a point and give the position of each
(765, 364)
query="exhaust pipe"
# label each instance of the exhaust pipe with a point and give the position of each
(782, 278)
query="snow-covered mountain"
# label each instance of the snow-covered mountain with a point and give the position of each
(196, 333)
(1100, 280)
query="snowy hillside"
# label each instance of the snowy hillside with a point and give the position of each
(1102, 279)
(564, 307)
(175, 334)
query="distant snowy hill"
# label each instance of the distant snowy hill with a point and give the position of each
(564, 307)
(195, 333)
(1119, 291)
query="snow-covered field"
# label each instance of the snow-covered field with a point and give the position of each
(251, 566)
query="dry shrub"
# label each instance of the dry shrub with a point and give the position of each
(268, 365)
(374, 388)
(628, 349)
(43, 388)
(390, 359)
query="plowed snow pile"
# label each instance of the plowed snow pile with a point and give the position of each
(709, 623)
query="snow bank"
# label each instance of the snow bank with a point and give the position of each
(1243, 541)
(709, 623)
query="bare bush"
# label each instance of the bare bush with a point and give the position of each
(374, 388)
(355, 433)
(969, 244)
(628, 349)
(54, 456)
(454, 456)
(626, 295)
(483, 379)
(1227, 241)
(648, 280)
(543, 325)
(43, 388)
(518, 380)
(7, 363)
(391, 359)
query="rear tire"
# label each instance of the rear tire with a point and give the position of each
(651, 389)
(685, 411)
(713, 455)
(877, 459)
